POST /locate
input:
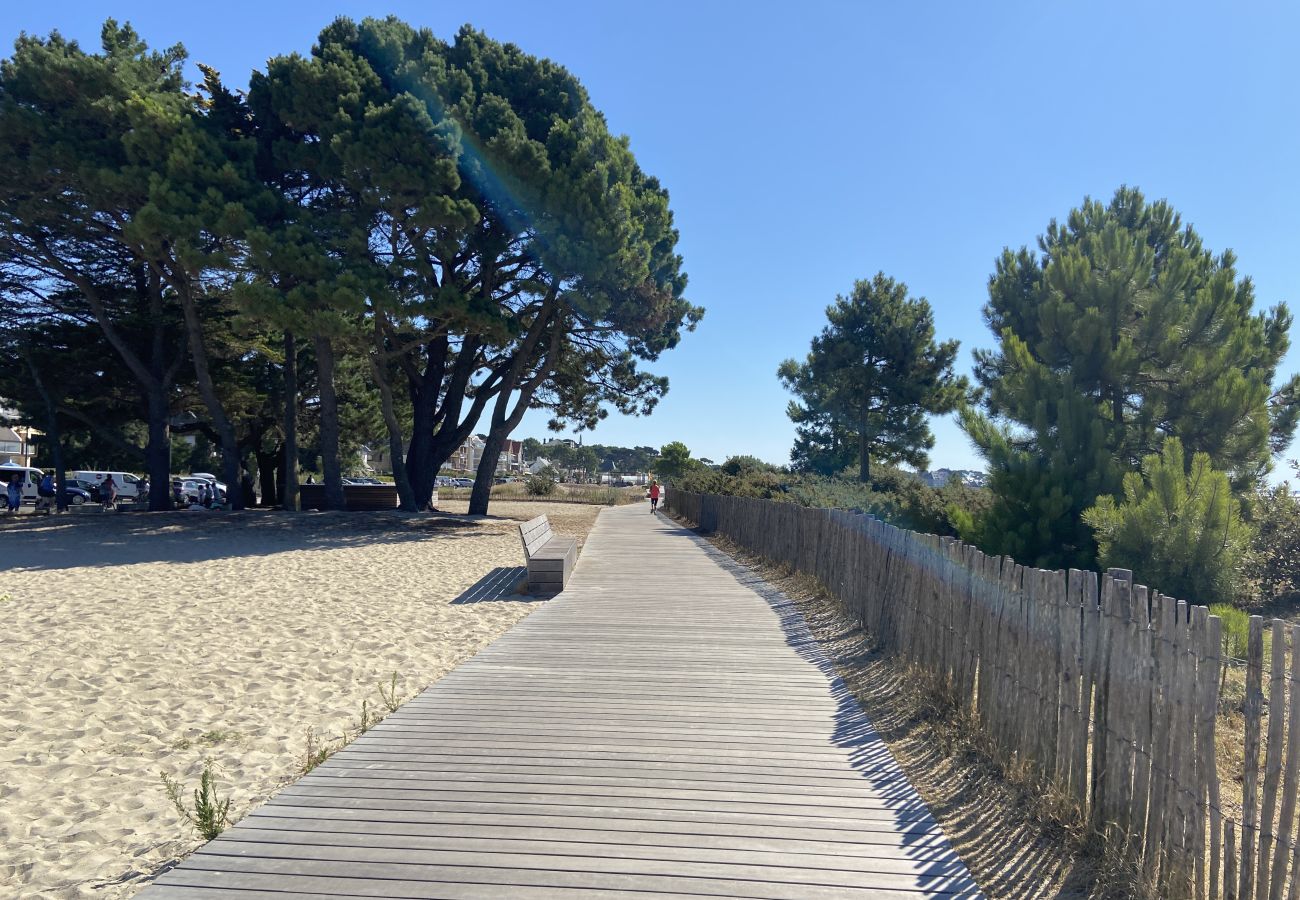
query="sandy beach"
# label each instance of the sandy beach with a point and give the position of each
(137, 644)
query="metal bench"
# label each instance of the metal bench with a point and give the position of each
(550, 557)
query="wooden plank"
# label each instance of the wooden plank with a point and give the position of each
(1277, 878)
(1253, 709)
(1273, 756)
(664, 728)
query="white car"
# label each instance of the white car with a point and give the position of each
(212, 480)
(128, 486)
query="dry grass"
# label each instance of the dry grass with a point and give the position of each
(1018, 838)
(599, 495)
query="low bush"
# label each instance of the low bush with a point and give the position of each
(1271, 568)
(895, 496)
(1177, 528)
(539, 486)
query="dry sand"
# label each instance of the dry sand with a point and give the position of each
(137, 644)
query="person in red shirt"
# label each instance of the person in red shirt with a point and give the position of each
(654, 496)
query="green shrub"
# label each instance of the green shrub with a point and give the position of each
(895, 496)
(1236, 629)
(539, 486)
(1179, 530)
(1272, 563)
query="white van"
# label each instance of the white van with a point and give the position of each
(31, 480)
(128, 486)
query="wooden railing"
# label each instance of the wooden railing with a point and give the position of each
(1110, 691)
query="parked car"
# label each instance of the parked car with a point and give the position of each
(187, 490)
(89, 488)
(212, 480)
(76, 496)
(29, 478)
(128, 485)
(463, 482)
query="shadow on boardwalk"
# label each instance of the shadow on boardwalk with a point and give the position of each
(869, 755)
(989, 821)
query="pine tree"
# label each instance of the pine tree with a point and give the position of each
(875, 373)
(1123, 329)
(1178, 528)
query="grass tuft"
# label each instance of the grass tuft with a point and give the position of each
(388, 694)
(209, 814)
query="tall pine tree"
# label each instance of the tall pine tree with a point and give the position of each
(1122, 329)
(871, 378)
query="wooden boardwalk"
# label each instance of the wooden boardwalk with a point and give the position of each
(666, 727)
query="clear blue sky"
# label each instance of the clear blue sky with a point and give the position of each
(806, 145)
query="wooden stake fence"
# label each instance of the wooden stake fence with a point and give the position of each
(1108, 690)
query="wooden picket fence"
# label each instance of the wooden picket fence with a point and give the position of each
(1108, 690)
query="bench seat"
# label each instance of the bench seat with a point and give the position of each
(550, 557)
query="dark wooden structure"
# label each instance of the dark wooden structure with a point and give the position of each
(358, 496)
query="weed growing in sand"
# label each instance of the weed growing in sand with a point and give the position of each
(364, 725)
(211, 814)
(389, 694)
(316, 753)
(5, 598)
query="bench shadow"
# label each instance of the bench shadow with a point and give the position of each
(502, 584)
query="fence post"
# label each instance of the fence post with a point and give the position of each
(1250, 767)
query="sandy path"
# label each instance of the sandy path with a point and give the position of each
(132, 645)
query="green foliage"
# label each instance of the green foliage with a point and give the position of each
(209, 814)
(1236, 629)
(315, 752)
(674, 462)
(388, 694)
(1272, 564)
(869, 381)
(743, 465)
(895, 496)
(539, 485)
(1177, 528)
(1121, 330)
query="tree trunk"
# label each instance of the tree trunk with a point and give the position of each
(864, 457)
(419, 456)
(505, 420)
(267, 466)
(405, 495)
(329, 424)
(52, 433)
(207, 390)
(486, 472)
(289, 477)
(158, 452)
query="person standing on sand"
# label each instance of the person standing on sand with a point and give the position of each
(654, 496)
(108, 492)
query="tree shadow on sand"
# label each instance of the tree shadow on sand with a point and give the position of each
(30, 543)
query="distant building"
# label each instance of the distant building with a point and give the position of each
(511, 459)
(467, 455)
(16, 439)
(465, 458)
(969, 477)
